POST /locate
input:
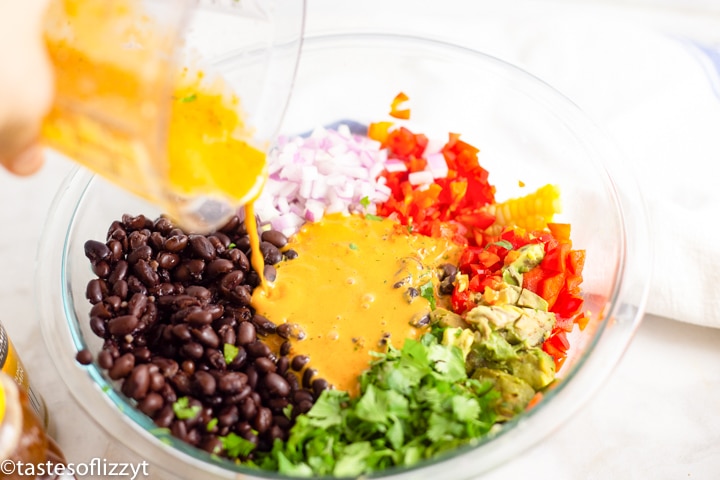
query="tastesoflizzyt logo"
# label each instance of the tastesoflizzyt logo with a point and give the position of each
(97, 467)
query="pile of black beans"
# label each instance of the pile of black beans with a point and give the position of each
(170, 306)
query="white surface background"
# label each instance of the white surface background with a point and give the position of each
(657, 417)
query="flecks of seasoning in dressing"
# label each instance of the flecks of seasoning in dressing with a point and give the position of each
(341, 290)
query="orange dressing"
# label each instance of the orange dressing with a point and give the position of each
(256, 257)
(340, 291)
(123, 109)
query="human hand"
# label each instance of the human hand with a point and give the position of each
(26, 84)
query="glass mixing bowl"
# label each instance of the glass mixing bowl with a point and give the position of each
(526, 132)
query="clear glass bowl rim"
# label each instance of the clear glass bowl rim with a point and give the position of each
(91, 389)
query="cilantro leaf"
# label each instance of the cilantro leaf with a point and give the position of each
(230, 351)
(183, 410)
(189, 98)
(376, 218)
(365, 201)
(427, 291)
(236, 446)
(502, 243)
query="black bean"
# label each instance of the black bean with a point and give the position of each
(446, 287)
(135, 285)
(101, 269)
(97, 325)
(204, 383)
(157, 381)
(258, 349)
(145, 273)
(164, 417)
(188, 367)
(239, 359)
(232, 382)
(263, 420)
(270, 273)
(246, 333)
(198, 317)
(285, 348)
(302, 407)
(96, 290)
(162, 225)
(176, 243)
(271, 254)
(278, 239)
(302, 395)
(308, 374)
(291, 254)
(228, 416)
(113, 302)
(239, 259)
(122, 366)
(283, 364)
(105, 359)
(276, 385)
(84, 357)
(100, 310)
(215, 359)
(97, 251)
(123, 324)
(201, 293)
(142, 354)
(151, 404)
(192, 350)
(212, 444)
(181, 382)
(263, 325)
(207, 336)
(167, 366)
(243, 243)
(265, 365)
(182, 332)
(252, 376)
(168, 260)
(137, 385)
(120, 289)
(116, 249)
(319, 385)
(219, 266)
(196, 267)
(137, 239)
(202, 247)
(448, 270)
(143, 252)
(299, 362)
(137, 304)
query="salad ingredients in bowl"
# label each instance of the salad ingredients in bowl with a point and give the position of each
(396, 298)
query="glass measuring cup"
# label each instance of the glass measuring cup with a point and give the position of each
(174, 100)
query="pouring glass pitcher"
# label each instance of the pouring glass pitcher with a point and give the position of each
(174, 100)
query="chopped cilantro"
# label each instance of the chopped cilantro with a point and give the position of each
(230, 351)
(232, 245)
(353, 246)
(427, 291)
(414, 404)
(365, 201)
(236, 446)
(183, 410)
(370, 216)
(211, 424)
(190, 98)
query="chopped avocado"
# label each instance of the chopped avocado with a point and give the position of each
(515, 393)
(518, 325)
(521, 297)
(529, 257)
(460, 337)
(446, 318)
(535, 367)
(496, 349)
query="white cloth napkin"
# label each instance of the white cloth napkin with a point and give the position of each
(649, 84)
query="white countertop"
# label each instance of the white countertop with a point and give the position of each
(657, 416)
